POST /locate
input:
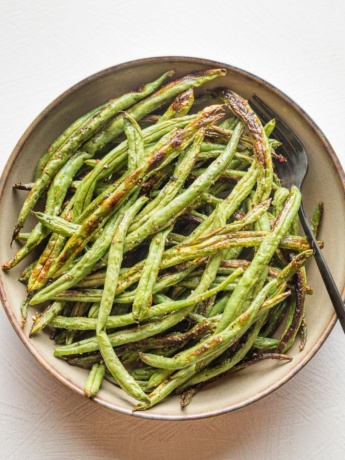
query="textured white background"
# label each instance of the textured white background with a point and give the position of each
(45, 47)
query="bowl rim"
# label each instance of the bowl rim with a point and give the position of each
(16, 151)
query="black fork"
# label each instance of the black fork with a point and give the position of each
(293, 172)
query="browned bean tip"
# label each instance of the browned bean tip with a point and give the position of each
(242, 109)
(21, 186)
(187, 395)
(260, 357)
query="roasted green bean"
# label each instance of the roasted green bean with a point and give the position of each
(172, 254)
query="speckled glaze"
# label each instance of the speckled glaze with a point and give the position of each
(233, 391)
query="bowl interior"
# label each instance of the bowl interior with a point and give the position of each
(325, 182)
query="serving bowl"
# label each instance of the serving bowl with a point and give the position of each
(238, 389)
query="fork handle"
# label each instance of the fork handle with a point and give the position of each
(327, 277)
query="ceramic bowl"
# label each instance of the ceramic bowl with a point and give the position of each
(325, 182)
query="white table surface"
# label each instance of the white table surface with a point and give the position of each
(45, 47)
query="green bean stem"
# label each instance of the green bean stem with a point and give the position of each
(94, 380)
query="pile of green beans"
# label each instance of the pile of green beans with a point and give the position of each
(171, 253)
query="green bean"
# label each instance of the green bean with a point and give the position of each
(40, 273)
(143, 296)
(135, 142)
(239, 239)
(94, 309)
(22, 236)
(303, 333)
(269, 127)
(263, 223)
(187, 394)
(159, 376)
(43, 319)
(90, 323)
(26, 273)
(231, 174)
(171, 189)
(198, 215)
(211, 372)
(175, 338)
(279, 199)
(261, 258)
(88, 162)
(229, 123)
(274, 319)
(223, 135)
(241, 190)
(265, 343)
(156, 100)
(275, 300)
(252, 216)
(117, 370)
(218, 307)
(56, 224)
(85, 362)
(209, 146)
(94, 380)
(142, 373)
(114, 264)
(24, 310)
(317, 218)
(261, 146)
(55, 244)
(69, 131)
(37, 235)
(78, 309)
(175, 256)
(298, 312)
(180, 106)
(193, 283)
(241, 160)
(260, 357)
